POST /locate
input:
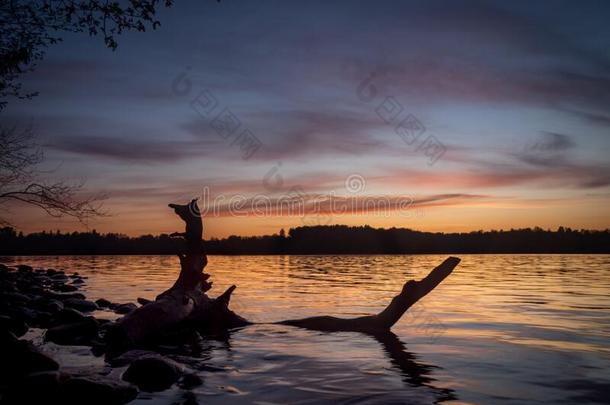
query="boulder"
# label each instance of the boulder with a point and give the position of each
(7, 338)
(125, 308)
(97, 390)
(190, 381)
(13, 325)
(189, 399)
(153, 373)
(59, 277)
(35, 388)
(103, 303)
(69, 315)
(79, 333)
(66, 288)
(81, 304)
(30, 316)
(63, 296)
(47, 304)
(24, 268)
(129, 357)
(20, 358)
(15, 298)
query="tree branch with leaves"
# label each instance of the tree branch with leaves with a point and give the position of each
(29, 27)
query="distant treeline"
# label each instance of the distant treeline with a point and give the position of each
(336, 239)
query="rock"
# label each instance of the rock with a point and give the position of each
(143, 301)
(7, 286)
(153, 373)
(15, 298)
(189, 399)
(24, 268)
(96, 390)
(48, 305)
(70, 315)
(79, 333)
(129, 357)
(78, 281)
(125, 308)
(190, 381)
(54, 306)
(65, 296)
(35, 388)
(31, 317)
(66, 288)
(59, 277)
(13, 325)
(20, 358)
(35, 289)
(81, 304)
(103, 303)
(7, 337)
(98, 347)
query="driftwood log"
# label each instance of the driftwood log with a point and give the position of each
(186, 304)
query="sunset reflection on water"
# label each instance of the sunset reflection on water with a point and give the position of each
(500, 329)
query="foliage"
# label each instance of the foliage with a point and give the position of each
(29, 27)
(337, 239)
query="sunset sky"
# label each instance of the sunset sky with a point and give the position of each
(512, 99)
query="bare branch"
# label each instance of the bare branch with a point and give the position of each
(19, 156)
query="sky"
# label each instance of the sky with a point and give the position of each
(436, 116)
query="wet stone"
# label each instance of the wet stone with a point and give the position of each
(20, 358)
(125, 308)
(130, 356)
(16, 326)
(97, 390)
(103, 303)
(189, 381)
(78, 333)
(66, 288)
(153, 373)
(81, 304)
(70, 315)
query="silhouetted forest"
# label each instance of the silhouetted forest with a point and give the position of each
(336, 239)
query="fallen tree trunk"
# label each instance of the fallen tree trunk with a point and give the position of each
(172, 311)
(412, 292)
(186, 305)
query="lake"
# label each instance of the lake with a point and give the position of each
(502, 329)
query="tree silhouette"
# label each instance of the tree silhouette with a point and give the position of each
(20, 181)
(336, 239)
(29, 27)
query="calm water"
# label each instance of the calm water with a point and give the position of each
(505, 329)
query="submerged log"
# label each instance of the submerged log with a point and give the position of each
(411, 292)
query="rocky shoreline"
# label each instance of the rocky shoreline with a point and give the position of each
(49, 300)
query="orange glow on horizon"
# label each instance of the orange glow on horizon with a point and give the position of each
(460, 216)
